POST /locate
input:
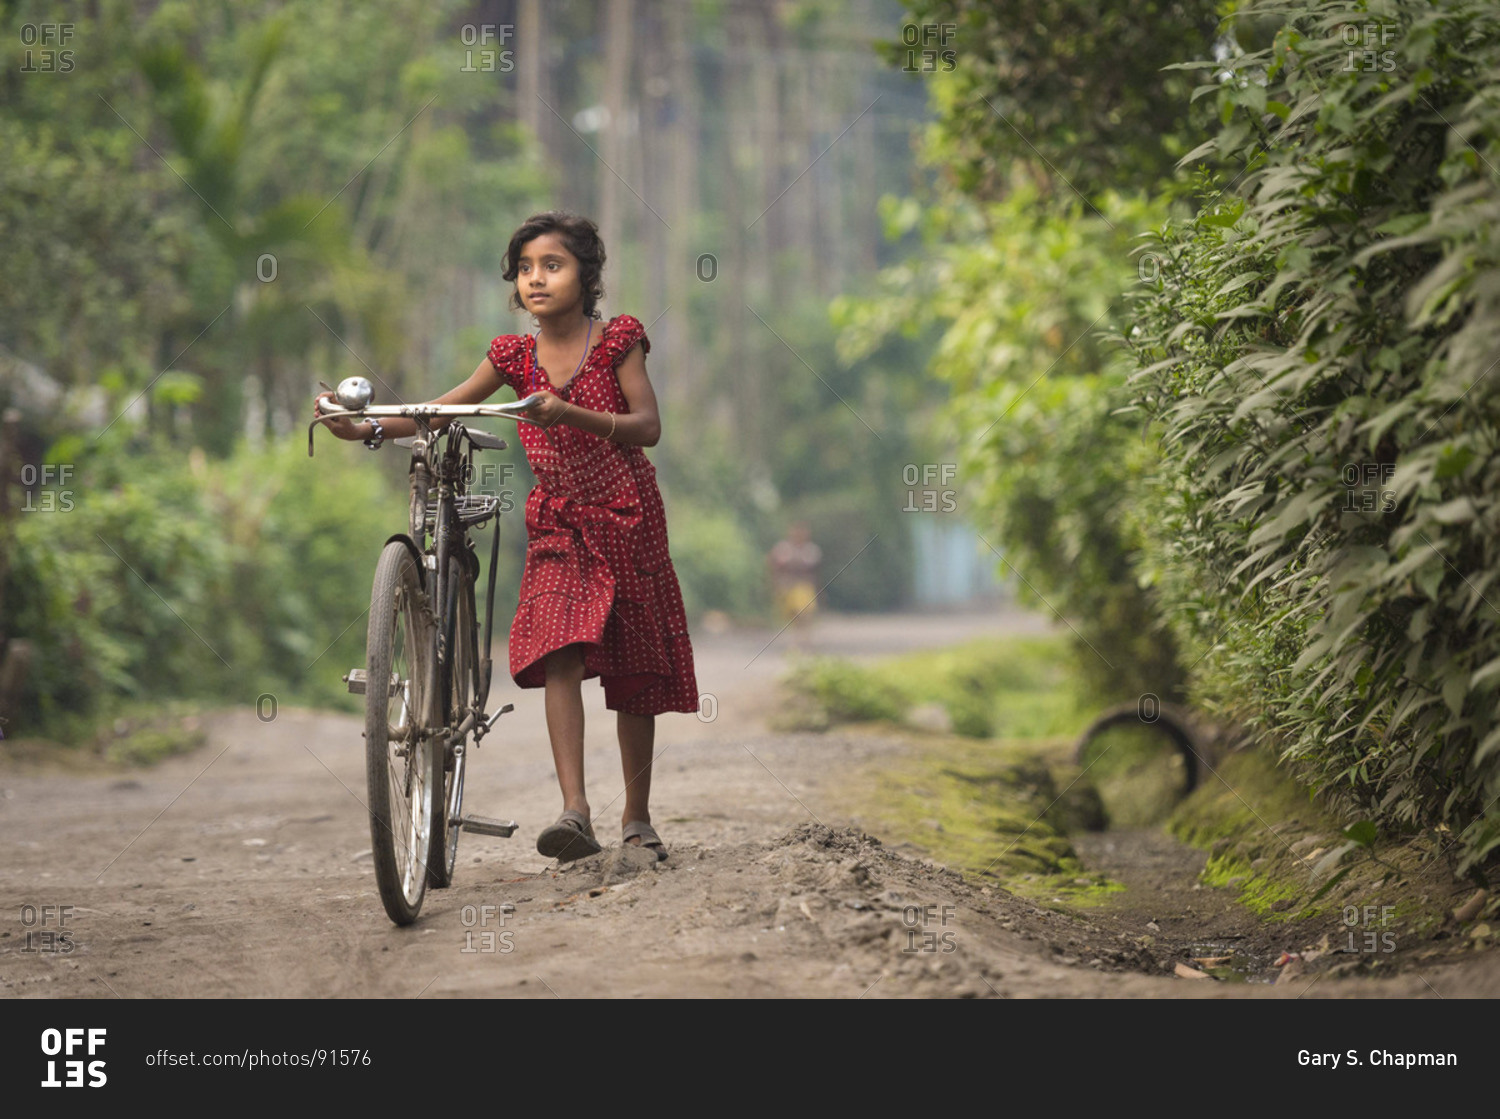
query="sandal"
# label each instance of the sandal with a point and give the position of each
(572, 837)
(648, 838)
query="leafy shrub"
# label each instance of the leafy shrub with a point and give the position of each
(1318, 350)
(1011, 687)
(848, 692)
(1047, 467)
(173, 575)
(717, 563)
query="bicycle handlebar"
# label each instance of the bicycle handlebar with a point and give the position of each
(420, 412)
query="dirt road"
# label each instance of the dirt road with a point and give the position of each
(244, 870)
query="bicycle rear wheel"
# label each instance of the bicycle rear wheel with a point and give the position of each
(461, 642)
(404, 771)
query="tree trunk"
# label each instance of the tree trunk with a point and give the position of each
(618, 45)
(530, 31)
(682, 259)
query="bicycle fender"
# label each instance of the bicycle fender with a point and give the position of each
(416, 553)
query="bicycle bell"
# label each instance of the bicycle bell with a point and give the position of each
(354, 393)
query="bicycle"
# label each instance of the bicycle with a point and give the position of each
(423, 642)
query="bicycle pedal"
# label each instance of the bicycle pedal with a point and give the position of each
(485, 825)
(490, 722)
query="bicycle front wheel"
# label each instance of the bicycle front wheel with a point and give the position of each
(404, 770)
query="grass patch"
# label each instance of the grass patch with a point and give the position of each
(139, 734)
(1001, 687)
(150, 744)
(996, 808)
(1240, 799)
(1251, 817)
(153, 733)
(1001, 809)
(995, 811)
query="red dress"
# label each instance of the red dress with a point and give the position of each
(597, 569)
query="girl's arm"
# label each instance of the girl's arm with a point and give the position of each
(480, 386)
(641, 427)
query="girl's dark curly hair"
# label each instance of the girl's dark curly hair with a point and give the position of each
(580, 235)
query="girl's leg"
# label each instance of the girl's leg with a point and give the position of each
(564, 703)
(637, 742)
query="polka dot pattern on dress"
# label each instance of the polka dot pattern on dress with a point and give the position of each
(598, 570)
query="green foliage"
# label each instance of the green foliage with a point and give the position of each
(1023, 294)
(1317, 351)
(200, 192)
(1006, 687)
(94, 235)
(847, 692)
(1047, 143)
(176, 575)
(1079, 95)
(717, 564)
(150, 739)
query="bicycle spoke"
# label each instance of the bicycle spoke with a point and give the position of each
(408, 879)
(399, 816)
(408, 791)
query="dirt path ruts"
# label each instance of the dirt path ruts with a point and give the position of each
(243, 870)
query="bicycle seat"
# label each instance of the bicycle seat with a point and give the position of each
(484, 441)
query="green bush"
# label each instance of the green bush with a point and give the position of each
(1005, 687)
(1317, 351)
(848, 692)
(173, 575)
(718, 565)
(1047, 468)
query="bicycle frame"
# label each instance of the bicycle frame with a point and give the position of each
(454, 554)
(450, 471)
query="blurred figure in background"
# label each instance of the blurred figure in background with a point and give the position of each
(793, 564)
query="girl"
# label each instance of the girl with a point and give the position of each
(598, 596)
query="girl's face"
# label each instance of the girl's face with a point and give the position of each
(547, 278)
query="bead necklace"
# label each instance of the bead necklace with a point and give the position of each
(535, 341)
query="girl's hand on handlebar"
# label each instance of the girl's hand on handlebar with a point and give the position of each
(343, 427)
(547, 410)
